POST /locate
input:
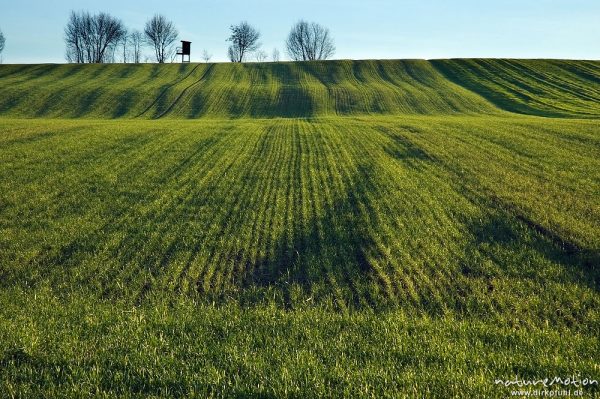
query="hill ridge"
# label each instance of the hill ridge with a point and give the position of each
(551, 88)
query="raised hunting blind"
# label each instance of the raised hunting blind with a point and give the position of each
(184, 50)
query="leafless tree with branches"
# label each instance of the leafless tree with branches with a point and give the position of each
(309, 42)
(135, 42)
(244, 40)
(161, 34)
(91, 38)
(261, 56)
(206, 56)
(125, 48)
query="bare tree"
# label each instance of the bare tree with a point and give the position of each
(275, 55)
(234, 54)
(244, 40)
(309, 42)
(135, 42)
(206, 56)
(2, 43)
(261, 56)
(76, 37)
(161, 34)
(124, 47)
(92, 38)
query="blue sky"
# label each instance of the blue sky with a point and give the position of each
(362, 29)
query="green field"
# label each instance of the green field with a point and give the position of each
(342, 228)
(302, 90)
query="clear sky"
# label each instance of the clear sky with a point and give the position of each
(362, 29)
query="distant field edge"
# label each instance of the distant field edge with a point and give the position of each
(540, 87)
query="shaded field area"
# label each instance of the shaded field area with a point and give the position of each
(302, 89)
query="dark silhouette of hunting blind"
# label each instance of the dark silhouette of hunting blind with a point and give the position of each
(184, 50)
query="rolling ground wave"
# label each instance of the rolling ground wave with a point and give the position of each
(394, 213)
(305, 89)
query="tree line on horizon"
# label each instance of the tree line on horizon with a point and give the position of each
(102, 38)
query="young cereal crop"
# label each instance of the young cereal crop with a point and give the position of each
(336, 229)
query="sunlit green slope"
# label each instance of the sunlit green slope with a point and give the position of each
(307, 89)
(556, 88)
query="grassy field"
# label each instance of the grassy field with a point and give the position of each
(316, 89)
(376, 228)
